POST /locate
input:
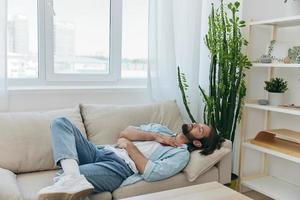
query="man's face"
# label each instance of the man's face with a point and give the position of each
(193, 132)
(198, 131)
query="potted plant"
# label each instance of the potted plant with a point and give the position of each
(224, 100)
(225, 96)
(276, 87)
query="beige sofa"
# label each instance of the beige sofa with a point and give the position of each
(26, 163)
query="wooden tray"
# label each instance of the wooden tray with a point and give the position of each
(281, 140)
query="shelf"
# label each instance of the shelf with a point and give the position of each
(271, 152)
(291, 111)
(274, 187)
(279, 22)
(281, 65)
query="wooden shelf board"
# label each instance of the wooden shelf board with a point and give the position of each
(273, 187)
(273, 152)
(291, 111)
(279, 22)
(285, 134)
(277, 65)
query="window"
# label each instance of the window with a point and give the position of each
(83, 40)
(81, 37)
(135, 39)
(22, 37)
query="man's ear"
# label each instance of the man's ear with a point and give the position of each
(197, 143)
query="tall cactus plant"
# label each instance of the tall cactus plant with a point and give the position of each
(225, 97)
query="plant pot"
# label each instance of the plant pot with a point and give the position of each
(234, 182)
(275, 99)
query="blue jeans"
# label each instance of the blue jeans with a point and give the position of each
(101, 167)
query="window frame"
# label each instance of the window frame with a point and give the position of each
(46, 75)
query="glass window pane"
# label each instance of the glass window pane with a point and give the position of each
(135, 39)
(81, 36)
(22, 39)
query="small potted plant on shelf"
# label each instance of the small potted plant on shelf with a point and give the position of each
(276, 87)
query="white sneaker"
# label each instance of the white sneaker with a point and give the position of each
(68, 187)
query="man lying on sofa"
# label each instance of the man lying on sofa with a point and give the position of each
(150, 152)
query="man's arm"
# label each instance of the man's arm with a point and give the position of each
(167, 166)
(133, 134)
(137, 157)
(133, 152)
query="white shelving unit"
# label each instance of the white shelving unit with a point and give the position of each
(279, 22)
(264, 183)
(271, 152)
(285, 110)
(273, 187)
(277, 65)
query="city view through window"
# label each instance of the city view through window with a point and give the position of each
(135, 38)
(81, 38)
(22, 39)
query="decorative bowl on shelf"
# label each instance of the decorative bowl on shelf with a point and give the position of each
(265, 59)
(262, 101)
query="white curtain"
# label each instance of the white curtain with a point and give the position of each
(174, 40)
(3, 76)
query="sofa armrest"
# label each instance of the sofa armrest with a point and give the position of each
(224, 165)
(8, 185)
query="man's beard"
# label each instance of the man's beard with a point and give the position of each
(185, 129)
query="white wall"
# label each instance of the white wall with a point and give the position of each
(260, 10)
(30, 100)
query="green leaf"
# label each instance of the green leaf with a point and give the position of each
(237, 4)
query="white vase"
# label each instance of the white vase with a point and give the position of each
(275, 99)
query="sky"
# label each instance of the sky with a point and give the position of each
(91, 20)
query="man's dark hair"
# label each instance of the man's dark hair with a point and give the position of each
(209, 145)
(214, 141)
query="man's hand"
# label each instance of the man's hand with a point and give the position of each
(166, 140)
(123, 143)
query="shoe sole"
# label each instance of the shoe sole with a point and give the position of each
(65, 196)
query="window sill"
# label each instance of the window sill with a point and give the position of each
(72, 89)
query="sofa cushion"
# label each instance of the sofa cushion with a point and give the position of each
(25, 139)
(199, 164)
(104, 123)
(8, 186)
(177, 181)
(101, 196)
(31, 183)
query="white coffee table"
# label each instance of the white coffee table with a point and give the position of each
(207, 191)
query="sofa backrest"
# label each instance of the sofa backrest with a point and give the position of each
(25, 139)
(104, 123)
